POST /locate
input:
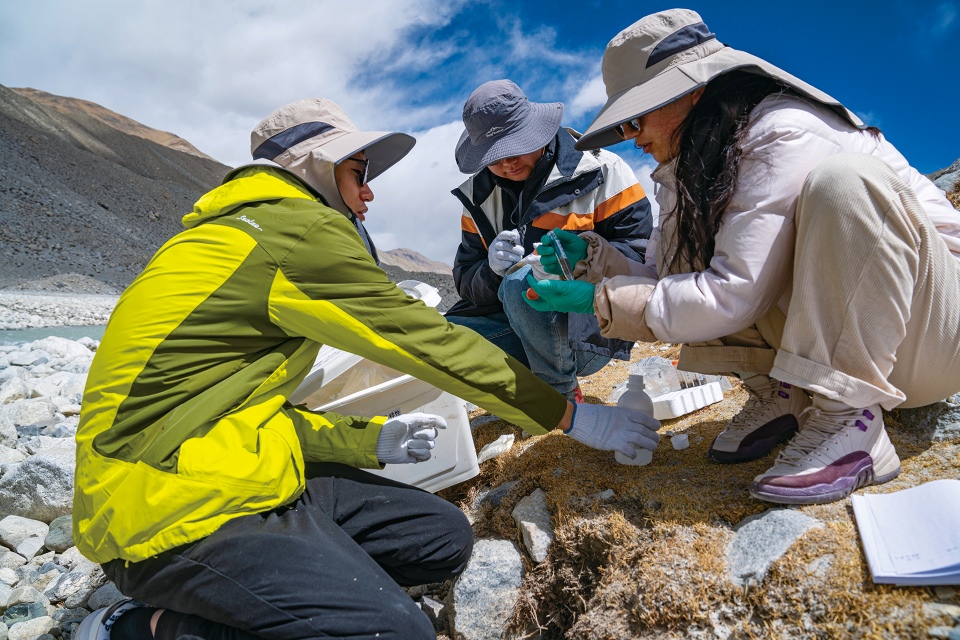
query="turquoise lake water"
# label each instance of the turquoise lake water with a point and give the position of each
(22, 336)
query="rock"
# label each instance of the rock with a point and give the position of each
(8, 433)
(60, 347)
(760, 540)
(483, 598)
(25, 595)
(13, 390)
(59, 538)
(14, 530)
(66, 406)
(37, 444)
(71, 558)
(40, 487)
(68, 584)
(8, 455)
(9, 577)
(23, 612)
(96, 579)
(105, 596)
(533, 517)
(48, 387)
(27, 412)
(72, 387)
(28, 358)
(938, 421)
(494, 496)
(30, 629)
(30, 547)
(12, 560)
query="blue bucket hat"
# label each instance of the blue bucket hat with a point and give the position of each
(501, 123)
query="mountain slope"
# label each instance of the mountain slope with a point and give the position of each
(70, 106)
(80, 196)
(410, 260)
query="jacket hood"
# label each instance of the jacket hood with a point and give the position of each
(246, 185)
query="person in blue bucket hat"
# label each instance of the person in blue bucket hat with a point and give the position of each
(526, 179)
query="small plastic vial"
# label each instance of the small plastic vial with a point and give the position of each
(636, 398)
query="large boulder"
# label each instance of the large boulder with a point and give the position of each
(40, 487)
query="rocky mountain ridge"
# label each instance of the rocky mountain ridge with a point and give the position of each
(70, 106)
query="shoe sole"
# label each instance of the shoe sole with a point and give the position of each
(823, 493)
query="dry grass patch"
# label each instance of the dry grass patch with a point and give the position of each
(649, 562)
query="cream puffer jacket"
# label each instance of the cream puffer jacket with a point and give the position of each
(639, 301)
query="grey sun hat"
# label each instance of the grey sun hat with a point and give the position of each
(665, 56)
(501, 123)
(321, 127)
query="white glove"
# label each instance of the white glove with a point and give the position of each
(613, 428)
(505, 251)
(408, 438)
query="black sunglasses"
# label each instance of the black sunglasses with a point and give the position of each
(621, 129)
(362, 175)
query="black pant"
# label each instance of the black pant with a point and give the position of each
(326, 565)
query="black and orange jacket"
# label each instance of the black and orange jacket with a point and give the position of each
(584, 191)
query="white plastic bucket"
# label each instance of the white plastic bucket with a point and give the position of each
(350, 385)
(455, 457)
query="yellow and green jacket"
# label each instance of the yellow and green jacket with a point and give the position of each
(185, 422)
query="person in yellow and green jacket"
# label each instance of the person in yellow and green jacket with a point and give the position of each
(204, 494)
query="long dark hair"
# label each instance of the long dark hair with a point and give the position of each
(709, 161)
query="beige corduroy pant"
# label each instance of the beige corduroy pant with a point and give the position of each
(874, 314)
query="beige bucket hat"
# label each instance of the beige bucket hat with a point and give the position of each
(321, 127)
(665, 56)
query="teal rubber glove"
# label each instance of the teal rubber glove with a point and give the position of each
(570, 296)
(573, 245)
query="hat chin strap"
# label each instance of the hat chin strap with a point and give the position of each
(320, 174)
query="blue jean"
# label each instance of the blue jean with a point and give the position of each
(537, 339)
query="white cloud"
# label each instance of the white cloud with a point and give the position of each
(413, 206)
(209, 71)
(589, 99)
(643, 168)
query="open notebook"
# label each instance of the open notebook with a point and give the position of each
(912, 536)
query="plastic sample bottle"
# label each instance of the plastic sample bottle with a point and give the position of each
(636, 398)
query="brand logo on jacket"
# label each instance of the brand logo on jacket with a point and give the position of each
(250, 222)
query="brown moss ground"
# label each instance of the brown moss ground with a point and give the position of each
(649, 562)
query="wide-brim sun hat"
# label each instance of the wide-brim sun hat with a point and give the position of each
(502, 123)
(320, 126)
(665, 56)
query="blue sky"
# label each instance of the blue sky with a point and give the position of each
(208, 71)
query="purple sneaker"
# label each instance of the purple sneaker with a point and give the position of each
(835, 453)
(768, 418)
